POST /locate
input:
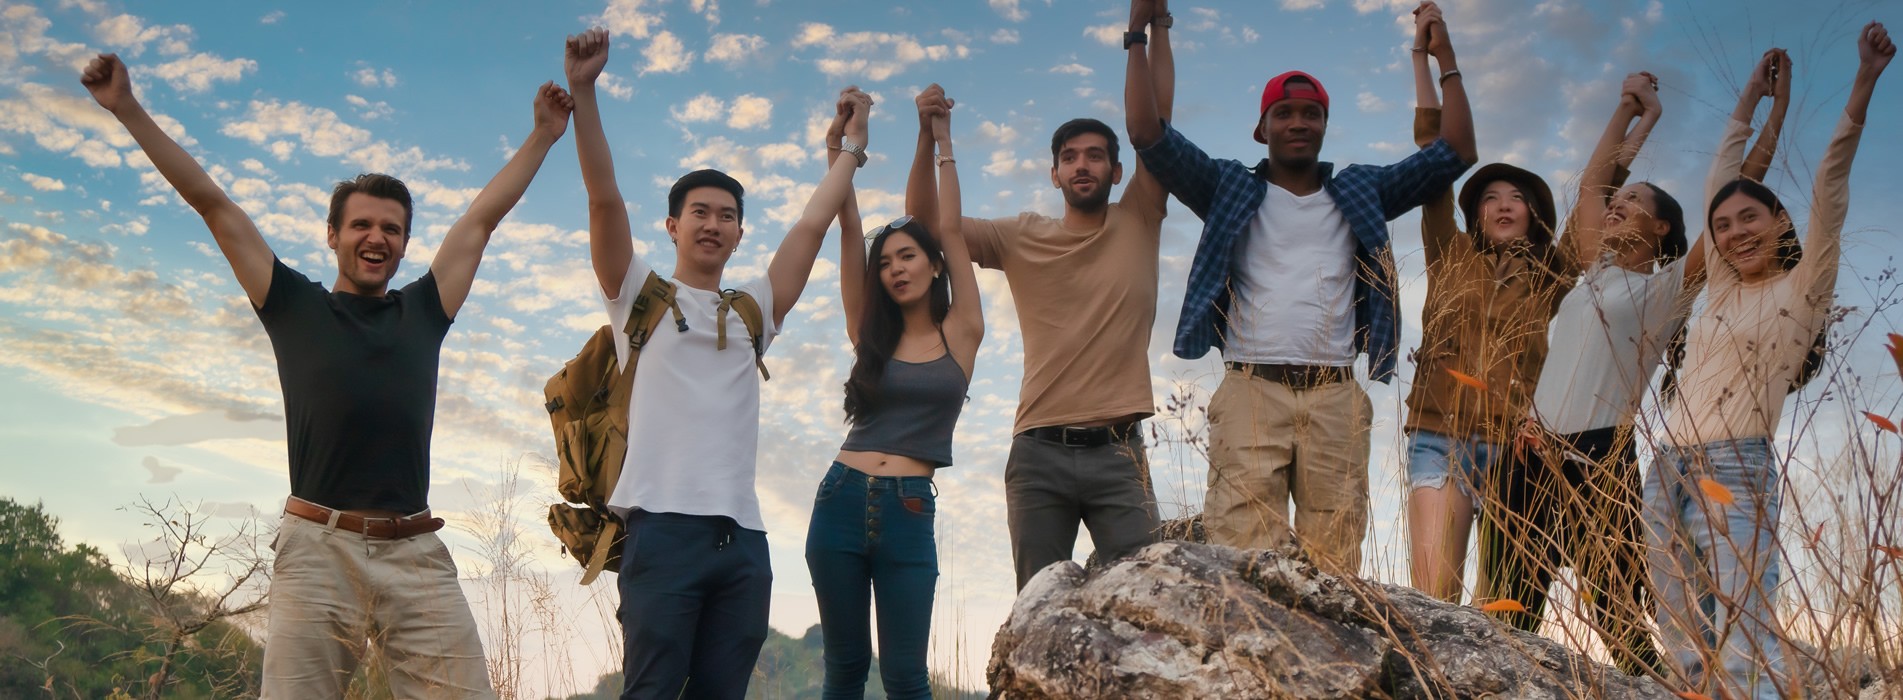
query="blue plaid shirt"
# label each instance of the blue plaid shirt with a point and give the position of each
(1228, 194)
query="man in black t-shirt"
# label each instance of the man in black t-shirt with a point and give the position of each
(358, 560)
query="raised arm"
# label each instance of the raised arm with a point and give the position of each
(852, 239)
(1142, 108)
(1456, 119)
(1439, 226)
(610, 240)
(1830, 195)
(1586, 228)
(1758, 162)
(921, 182)
(1726, 164)
(793, 262)
(237, 237)
(461, 252)
(1159, 61)
(966, 321)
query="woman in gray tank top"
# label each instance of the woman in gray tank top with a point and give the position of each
(915, 322)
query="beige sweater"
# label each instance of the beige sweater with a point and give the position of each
(1748, 345)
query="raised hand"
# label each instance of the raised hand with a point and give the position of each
(585, 55)
(552, 107)
(1424, 18)
(1759, 85)
(1781, 75)
(1874, 48)
(941, 118)
(1643, 88)
(933, 110)
(106, 78)
(858, 106)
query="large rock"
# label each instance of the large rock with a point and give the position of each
(1186, 620)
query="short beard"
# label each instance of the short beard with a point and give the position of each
(1087, 204)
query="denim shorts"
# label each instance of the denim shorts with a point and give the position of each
(1433, 458)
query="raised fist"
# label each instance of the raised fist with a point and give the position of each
(585, 55)
(552, 107)
(106, 78)
(1874, 48)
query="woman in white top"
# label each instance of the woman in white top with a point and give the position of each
(1713, 494)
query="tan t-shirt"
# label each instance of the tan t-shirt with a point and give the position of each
(1748, 345)
(1085, 303)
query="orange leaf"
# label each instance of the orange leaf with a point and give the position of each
(1882, 423)
(1894, 552)
(1896, 350)
(1716, 492)
(1688, 695)
(1816, 535)
(1503, 605)
(1468, 380)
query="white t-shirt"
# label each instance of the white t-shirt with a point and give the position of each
(1294, 284)
(694, 418)
(1606, 340)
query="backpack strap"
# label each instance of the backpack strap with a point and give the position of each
(750, 316)
(612, 533)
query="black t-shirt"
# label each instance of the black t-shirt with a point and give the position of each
(359, 380)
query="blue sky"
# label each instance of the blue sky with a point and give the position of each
(131, 365)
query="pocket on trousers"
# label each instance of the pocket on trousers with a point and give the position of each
(829, 485)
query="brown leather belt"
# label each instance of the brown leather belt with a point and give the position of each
(1295, 376)
(375, 528)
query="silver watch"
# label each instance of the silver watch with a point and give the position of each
(858, 152)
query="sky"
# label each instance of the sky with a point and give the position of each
(131, 366)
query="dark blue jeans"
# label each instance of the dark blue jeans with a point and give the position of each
(874, 534)
(694, 597)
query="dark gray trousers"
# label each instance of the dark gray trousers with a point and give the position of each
(1049, 488)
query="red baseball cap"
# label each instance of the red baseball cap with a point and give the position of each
(1278, 90)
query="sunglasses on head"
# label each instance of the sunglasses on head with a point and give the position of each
(896, 224)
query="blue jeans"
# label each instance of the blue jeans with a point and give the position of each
(694, 596)
(1435, 459)
(874, 534)
(1715, 566)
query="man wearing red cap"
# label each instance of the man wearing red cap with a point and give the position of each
(1292, 279)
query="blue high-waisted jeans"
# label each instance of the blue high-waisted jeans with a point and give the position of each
(874, 534)
(1715, 566)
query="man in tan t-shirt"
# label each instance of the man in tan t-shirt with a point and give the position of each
(1085, 288)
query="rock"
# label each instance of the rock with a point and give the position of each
(1186, 620)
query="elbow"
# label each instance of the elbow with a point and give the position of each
(605, 206)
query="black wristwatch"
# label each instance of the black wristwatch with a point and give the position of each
(1133, 38)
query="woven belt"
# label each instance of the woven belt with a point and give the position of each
(375, 528)
(1092, 436)
(1295, 376)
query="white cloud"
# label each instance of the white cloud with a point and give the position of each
(321, 133)
(368, 76)
(1004, 36)
(130, 35)
(732, 49)
(1106, 34)
(1370, 102)
(272, 17)
(703, 108)
(750, 112)
(1072, 69)
(709, 9)
(875, 56)
(666, 54)
(368, 109)
(1000, 134)
(616, 86)
(62, 122)
(1250, 35)
(626, 18)
(1300, 5)
(43, 183)
(1009, 9)
(1004, 164)
(197, 72)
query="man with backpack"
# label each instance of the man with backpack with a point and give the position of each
(358, 560)
(694, 577)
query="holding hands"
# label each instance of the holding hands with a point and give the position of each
(1426, 18)
(934, 113)
(1640, 93)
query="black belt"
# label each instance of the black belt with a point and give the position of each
(1091, 436)
(1295, 376)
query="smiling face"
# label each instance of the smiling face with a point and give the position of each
(1504, 215)
(369, 238)
(905, 271)
(1747, 233)
(1084, 172)
(707, 230)
(1632, 216)
(1294, 129)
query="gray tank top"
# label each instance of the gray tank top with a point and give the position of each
(918, 406)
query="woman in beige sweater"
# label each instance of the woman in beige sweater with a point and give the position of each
(1712, 496)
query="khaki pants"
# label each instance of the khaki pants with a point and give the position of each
(1269, 442)
(335, 592)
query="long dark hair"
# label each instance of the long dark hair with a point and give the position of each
(1789, 252)
(1673, 245)
(882, 322)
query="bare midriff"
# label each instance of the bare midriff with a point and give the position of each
(882, 464)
